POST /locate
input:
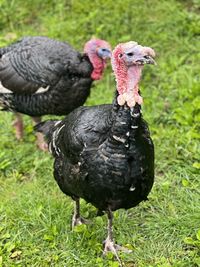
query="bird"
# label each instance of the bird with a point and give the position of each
(40, 76)
(104, 154)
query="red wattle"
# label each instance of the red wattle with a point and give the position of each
(98, 66)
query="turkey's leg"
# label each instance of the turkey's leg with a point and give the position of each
(109, 244)
(77, 219)
(18, 125)
(40, 137)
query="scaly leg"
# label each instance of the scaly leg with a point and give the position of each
(40, 137)
(18, 125)
(77, 219)
(109, 244)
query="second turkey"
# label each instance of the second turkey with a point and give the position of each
(41, 76)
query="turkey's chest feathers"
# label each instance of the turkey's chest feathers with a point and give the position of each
(119, 178)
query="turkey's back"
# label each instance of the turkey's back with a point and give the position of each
(35, 62)
(42, 60)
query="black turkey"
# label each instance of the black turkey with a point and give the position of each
(47, 76)
(104, 154)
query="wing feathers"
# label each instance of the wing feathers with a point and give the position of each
(11, 80)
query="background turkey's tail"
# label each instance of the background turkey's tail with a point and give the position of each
(32, 105)
(37, 104)
(6, 102)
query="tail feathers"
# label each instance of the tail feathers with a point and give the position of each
(3, 50)
(51, 131)
(46, 127)
(6, 101)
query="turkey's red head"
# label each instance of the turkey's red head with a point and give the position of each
(128, 60)
(98, 52)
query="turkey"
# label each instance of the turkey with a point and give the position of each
(46, 76)
(104, 154)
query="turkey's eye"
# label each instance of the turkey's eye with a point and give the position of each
(130, 54)
(104, 50)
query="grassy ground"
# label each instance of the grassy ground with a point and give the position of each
(35, 215)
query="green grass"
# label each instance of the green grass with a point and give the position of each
(35, 215)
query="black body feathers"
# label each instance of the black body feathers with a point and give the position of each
(35, 62)
(103, 154)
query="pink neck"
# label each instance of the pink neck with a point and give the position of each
(121, 78)
(133, 77)
(127, 79)
(98, 66)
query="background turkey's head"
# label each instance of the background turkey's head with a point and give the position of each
(98, 52)
(128, 60)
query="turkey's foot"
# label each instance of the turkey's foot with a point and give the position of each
(78, 221)
(110, 246)
(18, 125)
(41, 144)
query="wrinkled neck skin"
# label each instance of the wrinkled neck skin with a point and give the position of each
(133, 78)
(98, 66)
(128, 85)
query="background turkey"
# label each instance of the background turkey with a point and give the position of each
(47, 76)
(104, 153)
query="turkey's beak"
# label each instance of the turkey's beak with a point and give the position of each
(104, 53)
(145, 60)
(108, 55)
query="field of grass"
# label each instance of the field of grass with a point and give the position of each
(162, 232)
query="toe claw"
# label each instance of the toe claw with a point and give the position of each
(42, 146)
(78, 221)
(109, 245)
